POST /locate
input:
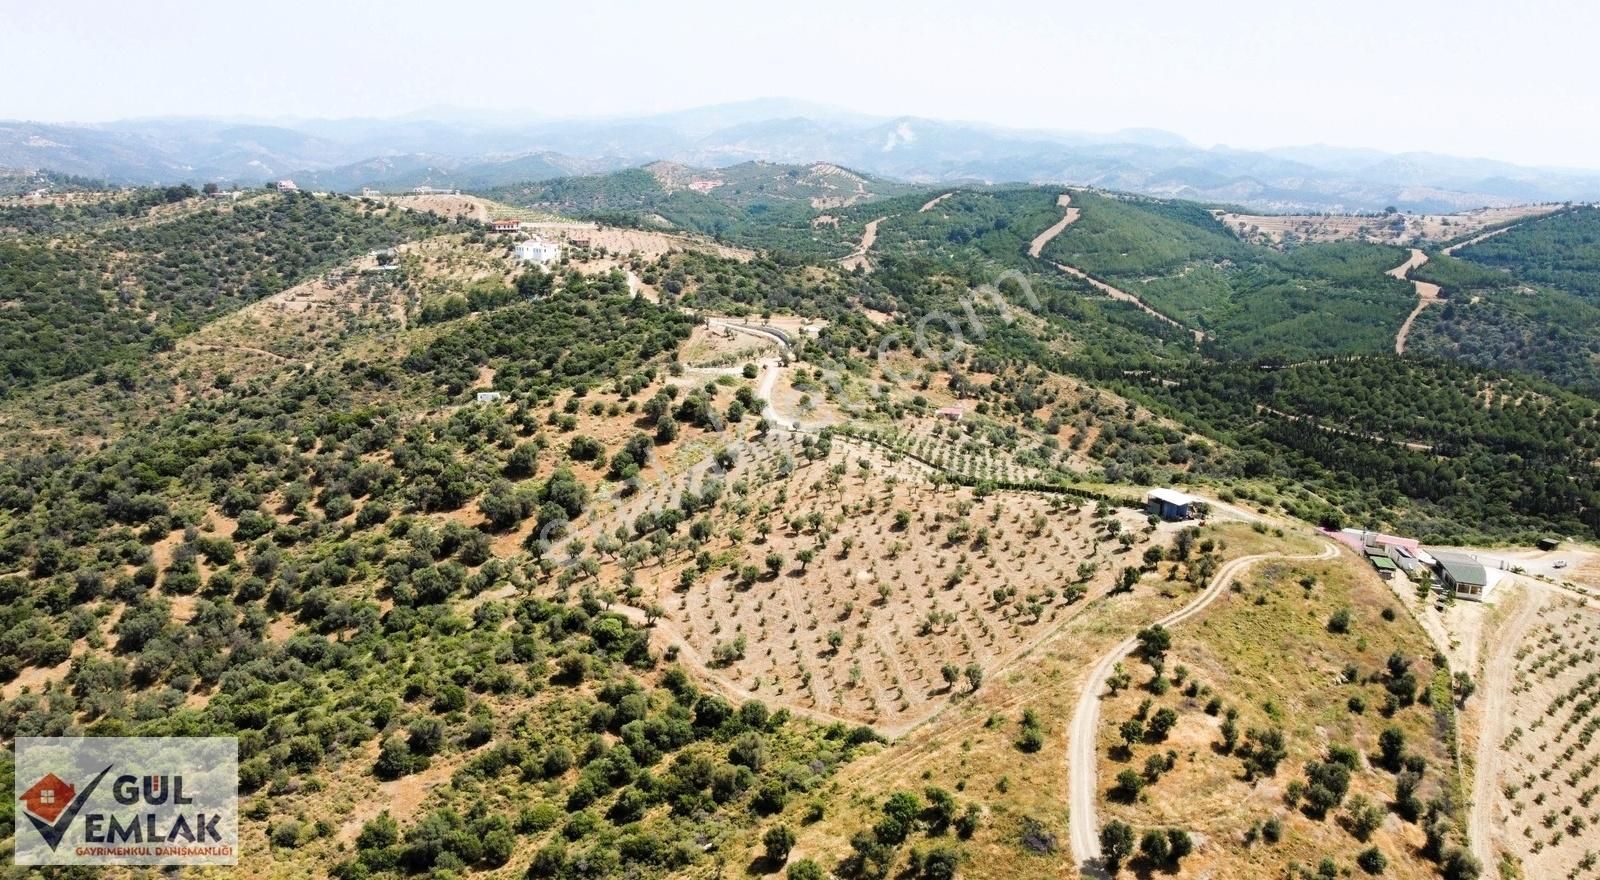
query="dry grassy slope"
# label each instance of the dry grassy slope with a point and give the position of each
(336, 316)
(1272, 229)
(1265, 648)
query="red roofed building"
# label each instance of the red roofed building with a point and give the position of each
(48, 797)
(507, 225)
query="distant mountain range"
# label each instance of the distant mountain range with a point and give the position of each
(469, 150)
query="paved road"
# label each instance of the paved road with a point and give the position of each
(1082, 788)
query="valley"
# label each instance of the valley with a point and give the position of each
(616, 563)
(682, 442)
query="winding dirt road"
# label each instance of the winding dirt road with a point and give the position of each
(859, 256)
(933, 202)
(1082, 787)
(769, 379)
(1067, 219)
(1427, 294)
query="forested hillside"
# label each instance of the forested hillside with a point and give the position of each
(753, 204)
(77, 293)
(1442, 450)
(1525, 299)
(1252, 302)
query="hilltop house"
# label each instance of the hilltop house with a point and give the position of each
(1170, 504)
(506, 225)
(536, 250)
(287, 185)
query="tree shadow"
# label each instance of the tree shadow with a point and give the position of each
(761, 866)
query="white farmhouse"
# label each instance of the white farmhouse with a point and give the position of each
(536, 250)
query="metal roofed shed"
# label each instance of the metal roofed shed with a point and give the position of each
(1170, 503)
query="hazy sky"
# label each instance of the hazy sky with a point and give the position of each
(1506, 80)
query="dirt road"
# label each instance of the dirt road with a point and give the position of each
(1067, 219)
(1082, 787)
(1494, 696)
(1451, 250)
(212, 346)
(1427, 294)
(859, 256)
(932, 202)
(769, 380)
(1124, 296)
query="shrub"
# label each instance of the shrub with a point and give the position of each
(777, 843)
(1327, 784)
(1362, 817)
(1116, 842)
(1129, 784)
(1392, 746)
(286, 834)
(967, 823)
(1180, 843)
(1155, 847)
(1372, 860)
(1162, 723)
(1460, 865)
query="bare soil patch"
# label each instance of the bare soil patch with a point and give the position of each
(1399, 229)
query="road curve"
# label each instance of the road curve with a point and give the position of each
(1082, 788)
(1069, 216)
(769, 377)
(1427, 294)
(858, 257)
